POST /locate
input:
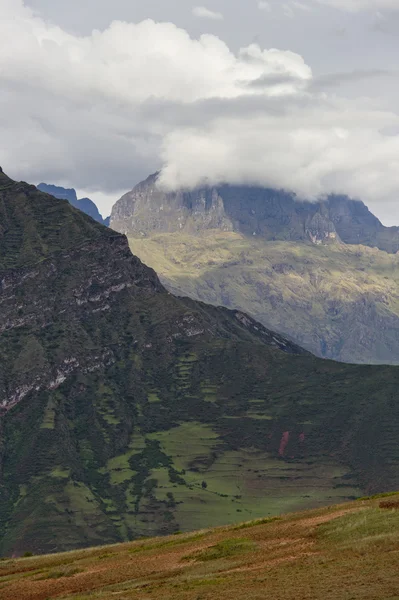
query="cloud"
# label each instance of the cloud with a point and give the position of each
(359, 5)
(288, 11)
(312, 148)
(300, 5)
(332, 80)
(204, 13)
(264, 5)
(103, 111)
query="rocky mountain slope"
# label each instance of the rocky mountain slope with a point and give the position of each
(127, 411)
(84, 204)
(252, 211)
(338, 301)
(324, 273)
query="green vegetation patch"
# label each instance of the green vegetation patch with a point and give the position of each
(187, 444)
(224, 549)
(49, 415)
(376, 496)
(60, 473)
(59, 573)
(365, 527)
(168, 543)
(118, 467)
(105, 405)
(256, 522)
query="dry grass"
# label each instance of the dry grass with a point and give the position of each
(345, 552)
(392, 504)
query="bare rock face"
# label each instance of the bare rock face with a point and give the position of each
(254, 211)
(320, 230)
(148, 209)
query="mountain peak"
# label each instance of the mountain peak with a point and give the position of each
(33, 225)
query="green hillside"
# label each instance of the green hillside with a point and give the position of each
(338, 301)
(128, 412)
(342, 552)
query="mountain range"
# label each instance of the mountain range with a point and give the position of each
(127, 411)
(84, 204)
(323, 273)
(252, 211)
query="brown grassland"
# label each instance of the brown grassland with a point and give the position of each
(343, 552)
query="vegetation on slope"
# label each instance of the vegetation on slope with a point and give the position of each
(339, 552)
(338, 301)
(129, 412)
(33, 226)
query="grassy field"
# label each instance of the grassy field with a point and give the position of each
(338, 301)
(344, 552)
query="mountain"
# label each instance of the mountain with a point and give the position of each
(84, 204)
(252, 211)
(128, 412)
(308, 555)
(294, 266)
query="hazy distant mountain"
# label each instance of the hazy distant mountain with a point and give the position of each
(84, 204)
(301, 268)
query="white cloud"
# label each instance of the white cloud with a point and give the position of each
(101, 111)
(359, 5)
(300, 5)
(206, 13)
(264, 5)
(288, 11)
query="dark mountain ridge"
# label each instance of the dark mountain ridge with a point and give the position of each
(253, 211)
(127, 411)
(84, 204)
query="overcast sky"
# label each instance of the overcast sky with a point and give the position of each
(302, 95)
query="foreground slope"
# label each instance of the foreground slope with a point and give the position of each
(347, 551)
(129, 412)
(324, 273)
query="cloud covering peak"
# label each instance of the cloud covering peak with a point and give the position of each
(101, 111)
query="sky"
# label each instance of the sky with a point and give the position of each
(296, 94)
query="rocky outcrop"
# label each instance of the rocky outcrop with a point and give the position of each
(148, 209)
(320, 230)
